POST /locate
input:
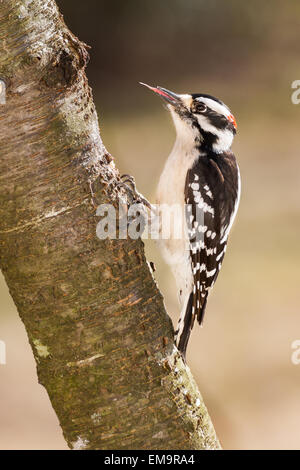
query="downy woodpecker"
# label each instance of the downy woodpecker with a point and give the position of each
(200, 174)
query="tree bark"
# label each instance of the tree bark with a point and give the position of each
(95, 319)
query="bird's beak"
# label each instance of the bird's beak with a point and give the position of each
(167, 95)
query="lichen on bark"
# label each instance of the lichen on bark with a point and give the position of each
(95, 319)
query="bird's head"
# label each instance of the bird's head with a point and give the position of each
(200, 118)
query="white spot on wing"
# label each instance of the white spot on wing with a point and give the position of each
(210, 273)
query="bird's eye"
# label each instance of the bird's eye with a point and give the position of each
(198, 107)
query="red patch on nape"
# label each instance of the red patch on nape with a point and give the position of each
(231, 118)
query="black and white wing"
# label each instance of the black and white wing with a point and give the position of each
(211, 197)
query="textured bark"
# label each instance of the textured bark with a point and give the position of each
(94, 316)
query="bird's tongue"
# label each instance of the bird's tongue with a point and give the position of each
(159, 91)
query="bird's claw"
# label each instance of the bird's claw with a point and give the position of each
(128, 182)
(128, 179)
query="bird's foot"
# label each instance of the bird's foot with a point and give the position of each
(128, 183)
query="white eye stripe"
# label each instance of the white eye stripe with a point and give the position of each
(215, 106)
(225, 137)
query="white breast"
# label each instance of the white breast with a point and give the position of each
(170, 191)
(171, 184)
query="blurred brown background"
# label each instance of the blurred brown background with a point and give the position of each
(247, 54)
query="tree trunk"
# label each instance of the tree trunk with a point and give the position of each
(95, 319)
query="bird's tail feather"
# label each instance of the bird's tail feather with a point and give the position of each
(202, 312)
(185, 327)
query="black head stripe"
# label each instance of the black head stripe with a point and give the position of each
(203, 95)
